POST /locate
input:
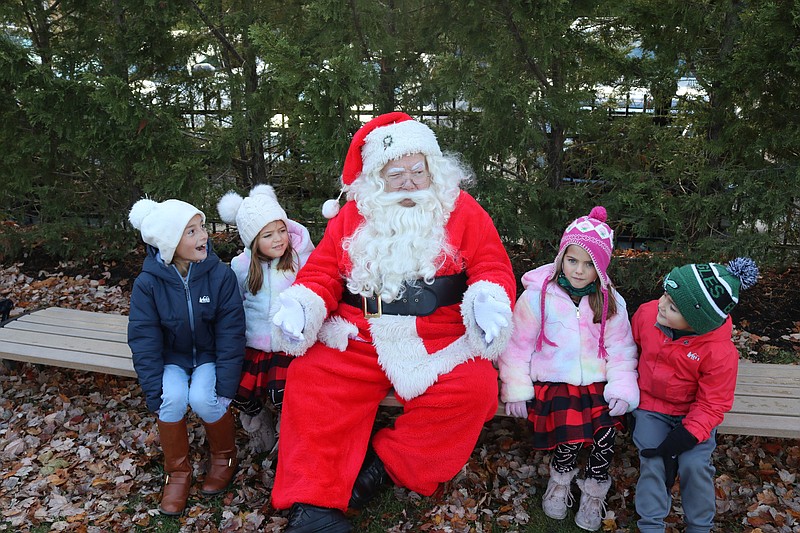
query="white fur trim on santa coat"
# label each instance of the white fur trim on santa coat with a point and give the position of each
(314, 309)
(475, 334)
(336, 332)
(404, 359)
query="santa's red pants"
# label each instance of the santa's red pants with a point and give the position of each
(330, 403)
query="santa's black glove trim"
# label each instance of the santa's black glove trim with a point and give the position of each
(678, 441)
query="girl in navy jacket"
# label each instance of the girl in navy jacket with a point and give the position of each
(186, 334)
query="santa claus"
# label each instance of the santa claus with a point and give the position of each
(409, 289)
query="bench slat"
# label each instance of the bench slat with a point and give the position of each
(91, 316)
(118, 323)
(775, 373)
(767, 391)
(79, 360)
(67, 330)
(47, 340)
(758, 405)
(761, 425)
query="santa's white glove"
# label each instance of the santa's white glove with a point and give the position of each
(617, 407)
(517, 409)
(491, 315)
(290, 318)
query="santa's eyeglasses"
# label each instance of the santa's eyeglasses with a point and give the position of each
(397, 177)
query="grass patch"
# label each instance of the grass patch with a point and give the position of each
(387, 511)
(161, 524)
(768, 353)
(408, 514)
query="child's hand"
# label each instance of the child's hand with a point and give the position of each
(224, 402)
(517, 409)
(290, 318)
(617, 407)
(490, 315)
(677, 441)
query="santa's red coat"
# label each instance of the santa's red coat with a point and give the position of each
(439, 365)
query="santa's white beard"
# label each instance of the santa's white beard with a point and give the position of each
(396, 244)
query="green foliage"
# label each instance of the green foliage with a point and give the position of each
(72, 240)
(100, 106)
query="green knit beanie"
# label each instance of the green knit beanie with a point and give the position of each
(705, 293)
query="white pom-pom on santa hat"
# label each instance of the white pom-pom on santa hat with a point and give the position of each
(140, 210)
(331, 207)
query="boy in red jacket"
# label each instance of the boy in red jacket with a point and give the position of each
(687, 377)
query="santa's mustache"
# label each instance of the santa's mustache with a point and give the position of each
(425, 199)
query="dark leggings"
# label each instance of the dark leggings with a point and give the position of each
(565, 456)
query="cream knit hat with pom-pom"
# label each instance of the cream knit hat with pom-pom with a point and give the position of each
(251, 214)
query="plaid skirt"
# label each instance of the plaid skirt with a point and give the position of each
(566, 414)
(263, 376)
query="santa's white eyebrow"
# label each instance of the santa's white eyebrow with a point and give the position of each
(419, 165)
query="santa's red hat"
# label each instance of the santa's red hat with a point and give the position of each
(382, 139)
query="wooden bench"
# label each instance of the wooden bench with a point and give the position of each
(767, 396)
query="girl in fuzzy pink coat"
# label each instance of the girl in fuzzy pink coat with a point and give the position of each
(275, 249)
(570, 366)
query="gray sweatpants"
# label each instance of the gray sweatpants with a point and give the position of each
(653, 499)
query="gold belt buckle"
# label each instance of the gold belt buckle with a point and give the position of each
(368, 314)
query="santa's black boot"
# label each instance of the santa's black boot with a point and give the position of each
(371, 479)
(304, 518)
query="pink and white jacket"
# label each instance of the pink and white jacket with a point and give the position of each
(261, 307)
(574, 359)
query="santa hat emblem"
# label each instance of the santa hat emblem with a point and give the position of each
(382, 139)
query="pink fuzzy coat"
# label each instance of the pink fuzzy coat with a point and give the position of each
(574, 359)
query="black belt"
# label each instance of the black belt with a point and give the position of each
(421, 299)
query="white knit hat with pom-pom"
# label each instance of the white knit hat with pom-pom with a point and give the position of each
(162, 224)
(251, 214)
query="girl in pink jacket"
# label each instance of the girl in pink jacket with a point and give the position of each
(570, 367)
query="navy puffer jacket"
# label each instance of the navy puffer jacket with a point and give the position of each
(160, 324)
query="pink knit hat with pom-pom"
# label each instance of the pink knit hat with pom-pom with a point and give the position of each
(595, 236)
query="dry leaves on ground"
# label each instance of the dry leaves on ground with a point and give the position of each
(79, 451)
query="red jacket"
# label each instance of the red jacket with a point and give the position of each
(693, 376)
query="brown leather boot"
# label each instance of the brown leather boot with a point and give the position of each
(221, 437)
(175, 443)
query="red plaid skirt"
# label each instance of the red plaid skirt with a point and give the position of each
(263, 376)
(563, 414)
